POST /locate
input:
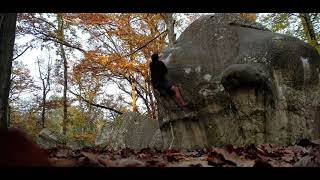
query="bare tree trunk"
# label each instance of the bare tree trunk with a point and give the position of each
(147, 98)
(134, 95)
(153, 104)
(7, 36)
(9, 115)
(65, 72)
(151, 101)
(45, 79)
(168, 19)
(309, 30)
(43, 105)
(65, 86)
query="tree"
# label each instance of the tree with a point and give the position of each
(309, 31)
(44, 75)
(21, 83)
(7, 37)
(170, 22)
(53, 28)
(304, 26)
(60, 35)
(124, 44)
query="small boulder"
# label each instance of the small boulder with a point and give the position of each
(50, 139)
(130, 130)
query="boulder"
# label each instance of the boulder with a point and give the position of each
(130, 130)
(248, 85)
(78, 144)
(50, 139)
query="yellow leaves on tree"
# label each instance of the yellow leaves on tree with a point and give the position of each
(121, 54)
(251, 16)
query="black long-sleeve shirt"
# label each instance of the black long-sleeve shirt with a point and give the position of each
(158, 72)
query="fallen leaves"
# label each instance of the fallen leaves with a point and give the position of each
(310, 160)
(267, 155)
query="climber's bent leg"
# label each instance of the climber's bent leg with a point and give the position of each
(176, 90)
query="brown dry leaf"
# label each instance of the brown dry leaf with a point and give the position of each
(240, 161)
(129, 162)
(269, 154)
(214, 161)
(63, 153)
(192, 162)
(126, 152)
(279, 163)
(56, 162)
(106, 162)
(316, 142)
(93, 158)
(155, 163)
(311, 160)
(216, 157)
(268, 148)
(261, 163)
(144, 156)
(173, 157)
(297, 150)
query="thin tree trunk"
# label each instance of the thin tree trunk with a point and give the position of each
(153, 105)
(134, 95)
(65, 86)
(45, 90)
(65, 71)
(146, 98)
(309, 30)
(9, 115)
(168, 18)
(133, 84)
(7, 36)
(43, 106)
(151, 102)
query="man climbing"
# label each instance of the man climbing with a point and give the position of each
(159, 81)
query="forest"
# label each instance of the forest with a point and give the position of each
(75, 73)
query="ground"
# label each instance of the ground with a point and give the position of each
(305, 153)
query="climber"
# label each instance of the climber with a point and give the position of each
(159, 81)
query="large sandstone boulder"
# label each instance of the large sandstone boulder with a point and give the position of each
(131, 130)
(247, 84)
(50, 139)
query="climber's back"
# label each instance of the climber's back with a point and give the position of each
(158, 71)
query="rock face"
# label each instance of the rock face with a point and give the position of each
(131, 130)
(50, 139)
(247, 84)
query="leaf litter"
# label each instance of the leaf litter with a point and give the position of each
(304, 153)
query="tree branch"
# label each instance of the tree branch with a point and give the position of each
(96, 105)
(57, 40)
(21, 53)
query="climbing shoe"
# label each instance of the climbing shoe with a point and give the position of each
(189, 105)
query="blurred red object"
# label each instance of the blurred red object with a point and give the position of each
(17, 149)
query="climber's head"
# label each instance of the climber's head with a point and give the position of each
(155, 57)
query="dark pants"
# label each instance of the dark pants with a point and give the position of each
(164, 87)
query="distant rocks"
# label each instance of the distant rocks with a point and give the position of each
(130, 130)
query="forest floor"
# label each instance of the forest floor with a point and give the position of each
(305, 153)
